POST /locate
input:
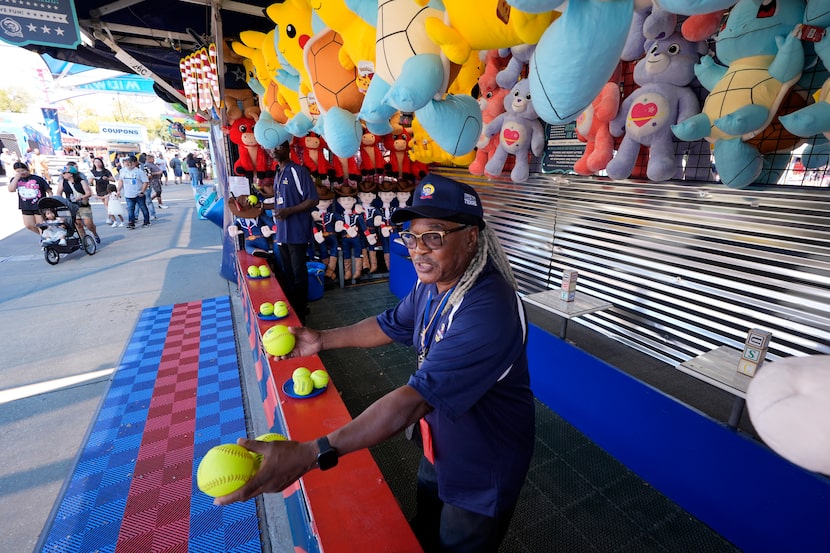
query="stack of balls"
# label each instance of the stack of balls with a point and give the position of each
(278, 308)
(259, 271)
(306, 381)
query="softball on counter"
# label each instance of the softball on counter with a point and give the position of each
(278, 340)
(224, 469)
(320, 378)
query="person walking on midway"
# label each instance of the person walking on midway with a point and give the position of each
(30, 189)
(132, 184)
(470, 395)
(295, 197)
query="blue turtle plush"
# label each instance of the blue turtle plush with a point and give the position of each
(765, 58)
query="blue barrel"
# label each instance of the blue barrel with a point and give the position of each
(316, 275)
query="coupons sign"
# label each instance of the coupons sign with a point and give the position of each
(46, 22)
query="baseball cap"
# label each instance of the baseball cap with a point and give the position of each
(438, 197)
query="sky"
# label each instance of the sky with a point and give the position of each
(23, 65)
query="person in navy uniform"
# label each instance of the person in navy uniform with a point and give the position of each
(470, 396)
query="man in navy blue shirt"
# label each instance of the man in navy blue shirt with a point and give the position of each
(470, 396)
(295, 197)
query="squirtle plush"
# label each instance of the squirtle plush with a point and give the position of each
(764, 60)
(662, 100)
(815, 119)
(520, 133)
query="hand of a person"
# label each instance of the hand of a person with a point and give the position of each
(280, 214)
(283, 463)
(307, 341)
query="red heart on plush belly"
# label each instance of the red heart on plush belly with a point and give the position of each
(641, 114)
(510, 136)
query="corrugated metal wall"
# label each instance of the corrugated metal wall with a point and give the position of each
(688, 267)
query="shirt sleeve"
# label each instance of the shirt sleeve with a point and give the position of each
(399, 322)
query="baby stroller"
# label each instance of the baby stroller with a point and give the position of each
(66, 211)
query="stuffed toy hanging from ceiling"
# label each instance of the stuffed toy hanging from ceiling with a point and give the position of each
(765, 59)
(662, 99)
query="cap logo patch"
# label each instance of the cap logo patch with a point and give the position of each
(469, 199)
(427, 191)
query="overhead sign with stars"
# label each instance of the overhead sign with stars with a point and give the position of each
(46, 22)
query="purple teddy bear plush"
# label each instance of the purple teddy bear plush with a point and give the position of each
(663, 99)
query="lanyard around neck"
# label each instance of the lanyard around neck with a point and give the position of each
(428, 328)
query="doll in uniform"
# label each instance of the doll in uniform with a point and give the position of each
(388, 204)
(371, 216)
(325, 236)
(351, 230)
(403, 192)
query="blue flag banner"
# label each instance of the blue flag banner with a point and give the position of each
(46, 22)
(50, 118)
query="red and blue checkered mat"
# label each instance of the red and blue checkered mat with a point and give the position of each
(175, 394)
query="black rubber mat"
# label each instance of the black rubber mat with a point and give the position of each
(577, 497)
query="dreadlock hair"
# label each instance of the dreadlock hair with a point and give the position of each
(489, 249)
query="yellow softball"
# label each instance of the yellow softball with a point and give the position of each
(225, 469)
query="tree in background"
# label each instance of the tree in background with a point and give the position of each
(15, 99)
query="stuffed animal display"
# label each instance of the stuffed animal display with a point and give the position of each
(342, 71)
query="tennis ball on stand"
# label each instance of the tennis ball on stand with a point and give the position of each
(268, 437)
(320, 378)
(280, 309)
(303, 385)
(278, 340)
(266, 308)
(264, 271)
(253, 271)
(224, 469)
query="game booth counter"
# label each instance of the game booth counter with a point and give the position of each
(354, 495)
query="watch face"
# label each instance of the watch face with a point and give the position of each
(327, 459)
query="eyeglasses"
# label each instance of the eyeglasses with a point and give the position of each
(433, 239)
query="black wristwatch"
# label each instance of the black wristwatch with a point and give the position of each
(327, 458)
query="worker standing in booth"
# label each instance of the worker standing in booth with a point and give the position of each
(470, 397)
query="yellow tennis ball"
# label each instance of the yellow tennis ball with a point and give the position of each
(264, 271)
(280, 308)
(225, 469)
(267, 437)
(278, 340)
(266, 308)
(252, 200)
(300, 371)
(253, 271)
(320, 378)
(303, 385)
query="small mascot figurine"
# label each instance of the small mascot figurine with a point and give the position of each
(325, 235)
(388, 206)
(520, 133)
(367, 196)
(352, 230)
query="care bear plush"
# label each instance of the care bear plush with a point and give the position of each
(519, 132)
(663, 99)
